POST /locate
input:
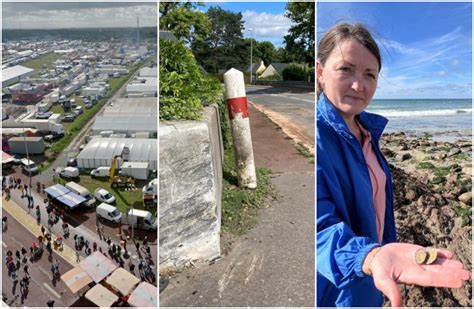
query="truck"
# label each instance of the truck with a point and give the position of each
(19, 145)
(138, 170)
(150, 193)
(118, 180)
(141, 219)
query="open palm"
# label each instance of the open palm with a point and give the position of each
(395, 263)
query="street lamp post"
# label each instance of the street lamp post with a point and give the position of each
(27, 154)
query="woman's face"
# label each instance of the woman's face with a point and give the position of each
(349, 77)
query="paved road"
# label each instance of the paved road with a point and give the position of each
(42, 286)
(291, 108)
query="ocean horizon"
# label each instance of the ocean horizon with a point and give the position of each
(444, 119)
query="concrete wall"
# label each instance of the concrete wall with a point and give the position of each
(191, 157)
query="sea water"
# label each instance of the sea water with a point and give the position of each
(444, 119)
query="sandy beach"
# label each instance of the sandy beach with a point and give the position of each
(432, 187)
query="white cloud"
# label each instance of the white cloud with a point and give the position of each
(266, 25)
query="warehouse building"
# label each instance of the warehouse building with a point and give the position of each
(13, 74)
(101, 151)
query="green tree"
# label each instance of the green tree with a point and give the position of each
(299, 43)
(184, 20)
(224, 46)
(264, 51)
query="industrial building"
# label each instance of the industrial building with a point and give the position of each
(13, 74)
(101, 152)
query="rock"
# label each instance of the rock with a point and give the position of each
(439, 156)
(403, 156)
(410, 195)
(466, 198)
(403, 146)
(388, 153)
(453, 152)
(467, 170)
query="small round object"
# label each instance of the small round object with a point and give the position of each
(432, 255)
(420, 256)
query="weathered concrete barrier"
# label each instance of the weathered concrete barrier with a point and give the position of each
(191, 156)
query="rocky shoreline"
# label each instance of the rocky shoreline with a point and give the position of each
(433, 200)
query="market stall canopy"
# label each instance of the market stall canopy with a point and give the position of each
(71, 199)
(122, 281)
(101, 296)
(76, 279)
(145, 295)
(6, 158)
(97, 266)
(57, 190)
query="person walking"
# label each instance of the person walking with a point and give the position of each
(50, 303)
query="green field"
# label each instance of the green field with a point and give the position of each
(124, 199)
(37, 64)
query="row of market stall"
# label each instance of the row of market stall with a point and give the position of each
(110, 283)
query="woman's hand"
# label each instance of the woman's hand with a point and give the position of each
(395, 263)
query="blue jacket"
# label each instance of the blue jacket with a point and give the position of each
(346, 224)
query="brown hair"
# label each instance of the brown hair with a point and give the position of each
(340, 33)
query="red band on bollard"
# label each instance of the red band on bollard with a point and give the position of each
(237, 105)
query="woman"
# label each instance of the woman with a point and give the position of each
(357, 254)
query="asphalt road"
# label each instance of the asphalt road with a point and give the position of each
(297, 106)
(42, 286)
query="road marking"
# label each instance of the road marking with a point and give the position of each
(17, 242)
(251, 269)
(45, 272)
(51, 290)
(4, 244)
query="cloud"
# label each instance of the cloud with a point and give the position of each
(266, 26)
(78, 15)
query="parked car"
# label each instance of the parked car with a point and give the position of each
(68, 172)
(141, 219)
(104, 196)
(78, 110)
(88, 105)
(108, 212)
(45, 115)
(69, 118)
(53, 136)
(72, 162)
(16, 159)
(29, 166)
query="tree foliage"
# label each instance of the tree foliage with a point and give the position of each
(184, 88)
(265, 51)
(299, 43)
(184, 20)
(224, 46)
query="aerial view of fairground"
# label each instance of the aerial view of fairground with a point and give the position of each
(79, 154)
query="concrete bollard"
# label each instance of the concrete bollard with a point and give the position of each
(240, 126)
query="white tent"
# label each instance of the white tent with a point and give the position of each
(101, 151)
(126, 124)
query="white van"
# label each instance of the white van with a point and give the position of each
(109, 213)
(101, 171)
(29, 166)
(141, 219)
(78, 189)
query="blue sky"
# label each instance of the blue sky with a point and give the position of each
(426, 47)
(266, 19)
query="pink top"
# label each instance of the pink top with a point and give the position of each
(377, 178)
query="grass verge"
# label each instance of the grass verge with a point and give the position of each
(240, 206)
(304, 152)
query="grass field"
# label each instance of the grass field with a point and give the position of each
(124, 199)
(37, 64)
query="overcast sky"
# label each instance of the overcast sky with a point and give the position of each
(50, 15)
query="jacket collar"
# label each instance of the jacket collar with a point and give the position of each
(326, 112)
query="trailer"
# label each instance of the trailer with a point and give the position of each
(138, 170)
(20, 145)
